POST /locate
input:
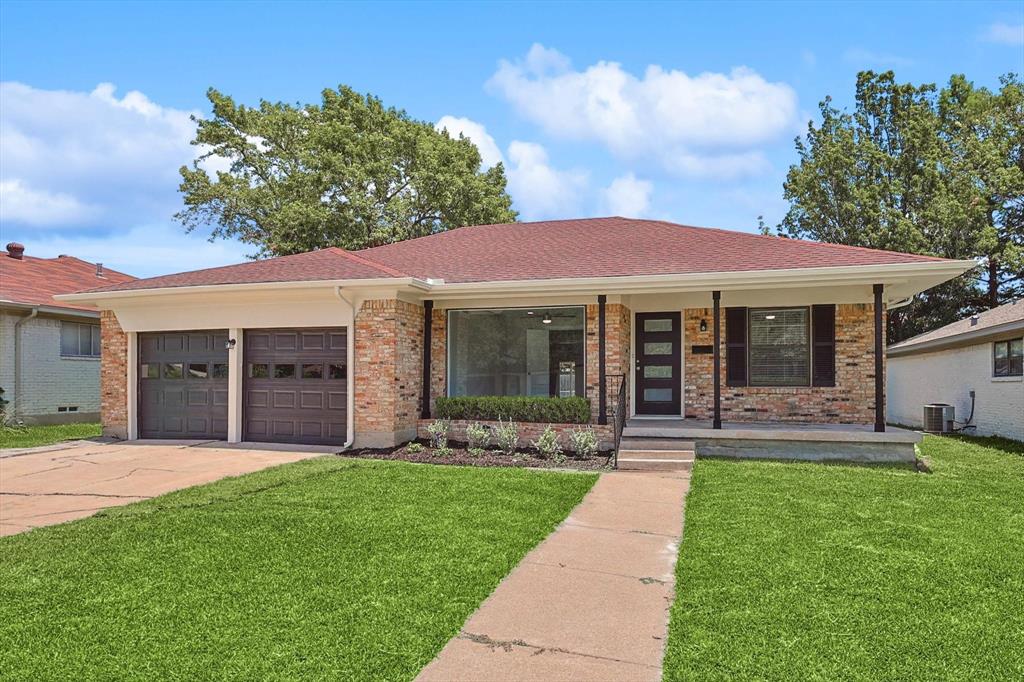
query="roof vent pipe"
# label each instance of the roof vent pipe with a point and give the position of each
(16, 251)
(974, 320)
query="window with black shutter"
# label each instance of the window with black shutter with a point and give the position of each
(823, 329)
(736, 346)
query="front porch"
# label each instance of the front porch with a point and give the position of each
(772, 440)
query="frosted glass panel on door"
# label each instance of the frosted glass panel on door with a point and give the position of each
(657, 395)
(657, 325)
(658, 348)
(658, 372)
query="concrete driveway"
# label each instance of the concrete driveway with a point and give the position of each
(41, 488)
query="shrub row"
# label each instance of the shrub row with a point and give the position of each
(574, 410)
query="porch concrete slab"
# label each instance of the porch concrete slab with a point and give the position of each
(53, 486)
(591, 602)
(634, 555)
(506, 662)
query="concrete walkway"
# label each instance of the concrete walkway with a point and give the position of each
(590, 602)
(56, 484)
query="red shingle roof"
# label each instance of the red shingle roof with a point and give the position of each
(34, 281)
(591, 247)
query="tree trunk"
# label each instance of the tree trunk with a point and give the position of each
(993, 282)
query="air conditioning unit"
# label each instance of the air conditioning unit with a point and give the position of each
(938, 418)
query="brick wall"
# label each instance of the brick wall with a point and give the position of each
(850, 401)
(438, 356)
(528, 432)
(113, 377)
(618, 328)
(388, 372)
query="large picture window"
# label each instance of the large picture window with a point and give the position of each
(779, 347)
(516, 351)
(79, 340)
(1008, 358)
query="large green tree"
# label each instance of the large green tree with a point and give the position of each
(917, 169)
(348, 172)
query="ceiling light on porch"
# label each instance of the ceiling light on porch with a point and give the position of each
(547, 318)
(529, 312)
(769, 317)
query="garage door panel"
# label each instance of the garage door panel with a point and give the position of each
(183, 384)
(295, 385)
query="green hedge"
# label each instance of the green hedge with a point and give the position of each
(573, 410)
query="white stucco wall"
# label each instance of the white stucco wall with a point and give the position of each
(49, 380)
(947, 376)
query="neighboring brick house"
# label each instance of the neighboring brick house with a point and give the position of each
(976, 365)
(49, 349)
(342, 347)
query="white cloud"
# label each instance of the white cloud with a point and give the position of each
(539, 190)
(628, 196)
(103, 160)
(490, 154)
(22, 204)
(660, 115)
(860, 57)
(1005, 34)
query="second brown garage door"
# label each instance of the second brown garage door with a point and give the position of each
(296, 388)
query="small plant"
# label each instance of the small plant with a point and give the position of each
(414, 448)
(478, 436)
(443, 451)
(559, 457)
(506, 436)
(547, 444)
(583, 442)
(476, 452)
(438, 431)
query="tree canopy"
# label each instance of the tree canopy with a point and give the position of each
(922, 170)
(348, 172)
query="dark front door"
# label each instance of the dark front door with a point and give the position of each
(296, 385)
(658, 379)
(183, 385)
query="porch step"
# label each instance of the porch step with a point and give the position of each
(655, 460)
(641, 443)
(653, 429)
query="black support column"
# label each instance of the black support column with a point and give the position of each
(716, 297)
(879, 351)
(602, 377)
(428, 325)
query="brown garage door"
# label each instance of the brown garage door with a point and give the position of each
(183, 384)
(296, 388)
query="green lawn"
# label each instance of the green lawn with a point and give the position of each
(327, 568)
(30, 436)
(805, 571)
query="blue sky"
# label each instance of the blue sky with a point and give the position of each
(685, 112)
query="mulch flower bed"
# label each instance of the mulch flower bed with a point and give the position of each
(460, 456)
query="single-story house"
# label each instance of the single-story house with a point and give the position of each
(340, 347)
(976, 365)
(50, 349)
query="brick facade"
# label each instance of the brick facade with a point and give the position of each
(528, 432)
(618, 334)
(113, 377)
(388, 360)
(850, 401)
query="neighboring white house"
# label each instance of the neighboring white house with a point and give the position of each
(49, 350)
(983, 354)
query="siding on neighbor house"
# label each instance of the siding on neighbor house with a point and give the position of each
(947, 376)
(49, 381)
(850, 401)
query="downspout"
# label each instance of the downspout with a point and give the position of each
(17, 359)
(350, 364)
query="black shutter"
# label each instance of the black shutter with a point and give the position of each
(823, 331)
(735, 346)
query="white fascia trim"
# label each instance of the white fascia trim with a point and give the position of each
(98, 297)
(706, 281)
(51, 309)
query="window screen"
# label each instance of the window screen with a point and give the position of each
(1009, 358)
(779, 347)
(79, 339)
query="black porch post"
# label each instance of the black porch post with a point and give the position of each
(879, 350)
(716, 297)
(428, 323)
(602, 391)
